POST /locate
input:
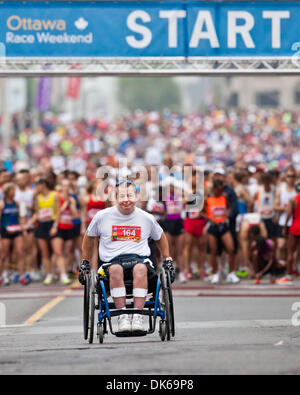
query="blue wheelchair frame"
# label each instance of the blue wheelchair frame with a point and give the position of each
(152, 308)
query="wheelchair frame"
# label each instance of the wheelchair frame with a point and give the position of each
(95, 298)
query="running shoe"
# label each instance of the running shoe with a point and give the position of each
(36, 275)
(48, 280)
(64, 279)
(256, 281)
(215, 278)
(16, 278)
(25, 279)
(137, 323)
(5, 278)
(188, 275)
(232, 278)
(287, 280)
(124, 323)
(182, 278)
(242, 273)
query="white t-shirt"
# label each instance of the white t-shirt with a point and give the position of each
(25, 199)
(123, 234)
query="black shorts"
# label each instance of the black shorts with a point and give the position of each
(76, 231)
(280, 231)
(173, 226)
(128, 262)
(9, 236)
(43, 230)
(65, 234)
(272, 228)
(218, 230)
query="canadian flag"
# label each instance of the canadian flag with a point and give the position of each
(73, 87)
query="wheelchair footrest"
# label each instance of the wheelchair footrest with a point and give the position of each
(131, 334)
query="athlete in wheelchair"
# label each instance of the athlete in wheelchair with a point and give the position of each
(127, 269)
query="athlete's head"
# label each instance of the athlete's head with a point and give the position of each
(218, 187)
(126, 195)
(9, 190)
(43, 185)
(21, 180)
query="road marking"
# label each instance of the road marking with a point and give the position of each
(234, 324)
(279, 343)
(46, 308)
(76, 329)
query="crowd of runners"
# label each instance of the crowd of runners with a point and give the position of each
(246, 223)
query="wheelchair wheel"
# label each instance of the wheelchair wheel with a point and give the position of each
(86, 306)
(166, 303)
(100, 333)
(92, 308)
(172, 316)
(162, 330)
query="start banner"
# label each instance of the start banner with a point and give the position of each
(149, 29)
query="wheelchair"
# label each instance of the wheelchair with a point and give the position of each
(158, 306)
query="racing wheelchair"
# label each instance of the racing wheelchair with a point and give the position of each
(158, 305)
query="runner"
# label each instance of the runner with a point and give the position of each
(63, 237)
(173, 224)
(194, 225)
(217, 212)
(25, 198)
(285, 192)
(78, 221)
(12, 232)
(263, 256)
(293, 234)
(265, 203)
(45, 211)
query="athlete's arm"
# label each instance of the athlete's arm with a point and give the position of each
(88, 246)
(34, 218)
(73, 207)
(277, 206)
(1, 209)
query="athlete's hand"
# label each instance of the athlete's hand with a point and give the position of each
(53, 231)
(168, 265)
(84, 269)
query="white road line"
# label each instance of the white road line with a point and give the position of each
(279, 343)
(57, 330)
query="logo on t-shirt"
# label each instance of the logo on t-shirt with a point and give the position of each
(123, 233)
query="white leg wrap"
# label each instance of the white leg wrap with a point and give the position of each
(139, 292)
(118, 292)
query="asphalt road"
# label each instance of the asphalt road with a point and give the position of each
(215, 335)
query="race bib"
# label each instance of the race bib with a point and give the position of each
(174, 207)
(45, 214)
(194, 214)
(66, 219)
(219, 212)
(159, 208)
(13, 229)
(123, 233)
